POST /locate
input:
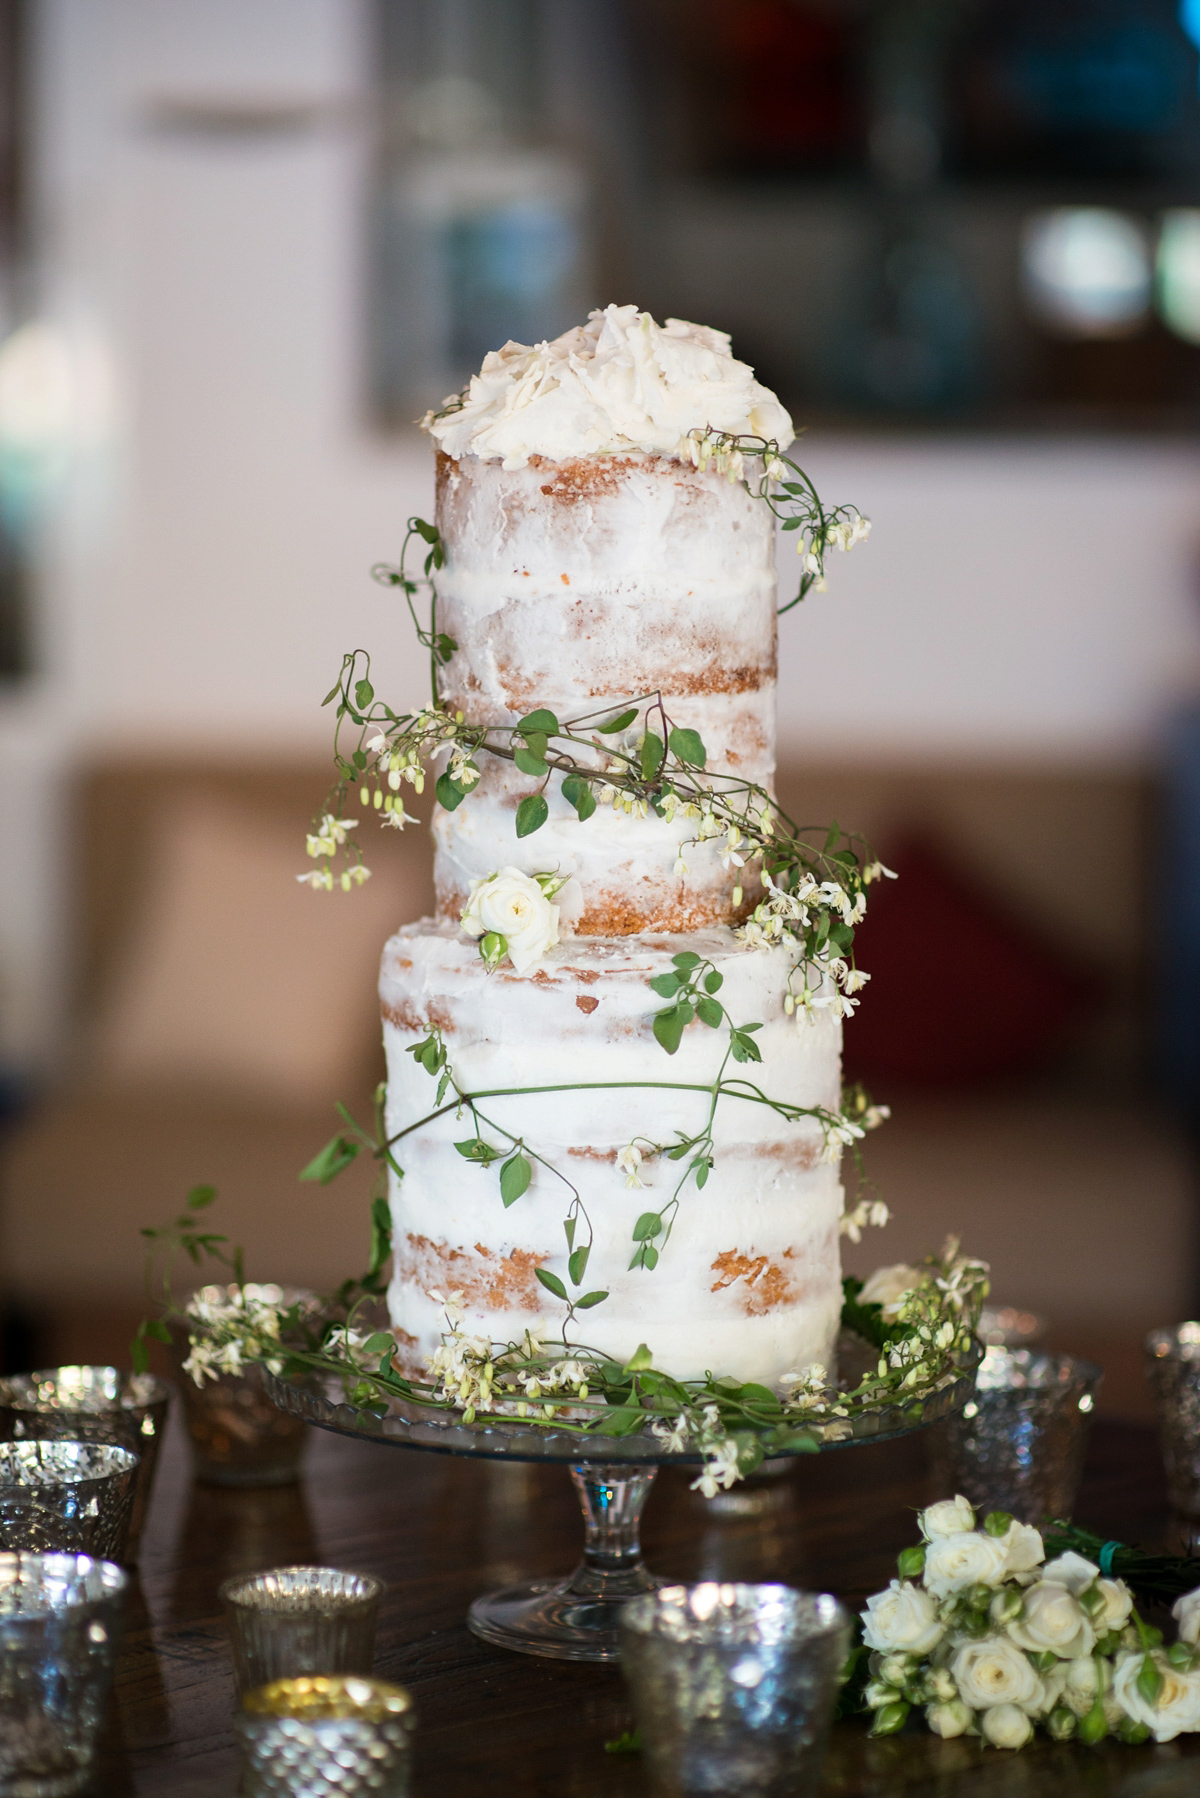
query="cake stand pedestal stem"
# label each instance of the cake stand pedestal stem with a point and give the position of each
(576, 1619)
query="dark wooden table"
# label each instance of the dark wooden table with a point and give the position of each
(441, 1530)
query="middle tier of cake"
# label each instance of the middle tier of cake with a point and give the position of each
(748, 1283)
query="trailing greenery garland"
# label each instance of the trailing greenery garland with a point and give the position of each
(556, 1383)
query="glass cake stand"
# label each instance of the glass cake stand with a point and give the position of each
(575, 1619)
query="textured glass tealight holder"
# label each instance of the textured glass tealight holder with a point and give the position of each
(238, 1437)
(1173, 1369)
(733, 1686)
(60, 1617)
(324, 1737)
(295, 1620)
(66, 1497)
(92, 1404)
(1018, 1445)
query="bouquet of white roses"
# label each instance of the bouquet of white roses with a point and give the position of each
(990, 1639)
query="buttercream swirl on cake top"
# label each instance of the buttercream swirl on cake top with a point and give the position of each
(621, 382)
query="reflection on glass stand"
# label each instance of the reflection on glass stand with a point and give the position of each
(575, 1619)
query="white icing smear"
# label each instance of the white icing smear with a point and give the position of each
(621, 382)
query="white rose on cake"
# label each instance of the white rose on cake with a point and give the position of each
(904, 1617)
(886, 1287)
(511, 913)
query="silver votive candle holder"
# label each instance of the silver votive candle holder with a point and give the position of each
(1173, 1370)
(297, 1620)
(63, 1497)
(326, 1737)
(733, 1686)
(60, 1618)
(1019, 1443)
(92, 1404)
(238, 1437)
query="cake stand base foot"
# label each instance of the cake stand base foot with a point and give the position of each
(553, 1618)
(575, 1619)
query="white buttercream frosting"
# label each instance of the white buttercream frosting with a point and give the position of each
(619, 383)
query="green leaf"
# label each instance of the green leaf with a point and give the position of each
(515, 1176)
(709, 1012)
(801, 1443)
(761, 1397)
(652, 753)
(359, 760)
(589, 1299)
(1149, 1680)
(201, 1197)
(381, 1235)
(713, 982)
(154, 1326)
(669, 1026)
(609, 729)
(333, 1159)
(639, 1360)
(703, 1169)
(449, 793)
(649, 1224)
(577, 1263)
(529, 761)
(364, 693)
(378, 1342)
(743, 1045)
(628, 1742)
(475, 1149)
(832, 836)
(623, 1422)
(444, 646)
(551, 1282)
(686, 962)
(578, 792)
(138, 1355)
(542, 721)
(666, 985)
(686, 745)
(531, 814)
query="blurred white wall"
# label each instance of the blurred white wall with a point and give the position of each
(202, 170)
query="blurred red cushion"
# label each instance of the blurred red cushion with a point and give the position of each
(961, 990)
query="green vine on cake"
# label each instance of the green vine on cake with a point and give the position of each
(632, 757)
(919, 1343)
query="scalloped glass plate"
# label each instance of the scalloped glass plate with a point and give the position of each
(411, 1426)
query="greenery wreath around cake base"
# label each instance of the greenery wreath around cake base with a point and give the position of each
(918, 1342)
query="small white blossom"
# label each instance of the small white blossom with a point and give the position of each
(629, 1160)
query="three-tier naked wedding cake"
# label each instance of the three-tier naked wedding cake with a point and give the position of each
(592, 568)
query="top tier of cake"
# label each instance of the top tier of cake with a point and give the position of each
(580, 585)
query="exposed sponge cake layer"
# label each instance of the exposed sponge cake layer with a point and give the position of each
(575, 586)
(748, 1284)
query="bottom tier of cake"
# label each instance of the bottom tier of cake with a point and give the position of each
(748, 1281)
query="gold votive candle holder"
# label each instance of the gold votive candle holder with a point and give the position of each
(92, 1404)
(326, 1736)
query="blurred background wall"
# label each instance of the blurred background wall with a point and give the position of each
(244, 243)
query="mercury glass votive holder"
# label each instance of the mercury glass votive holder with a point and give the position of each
(325, 1737)
(733, 1686)
(92, 1404)
(238, 1437)
(60, 1617)
(66, 1497)
(1173, 1370)
(295, 1620)
(1018, 1444)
